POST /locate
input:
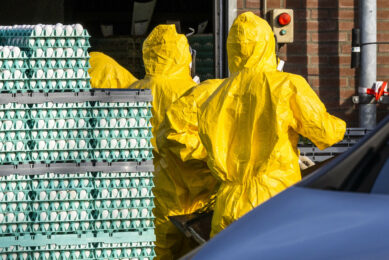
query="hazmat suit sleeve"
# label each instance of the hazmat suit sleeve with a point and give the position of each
(182, 122)
(183, 130)
(311, 117)
(105, 72)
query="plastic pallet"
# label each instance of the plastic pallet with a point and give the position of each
(100, 95)
(133, 251)
(73, 167)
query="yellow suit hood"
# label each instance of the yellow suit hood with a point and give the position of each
(166, 57)
(251, 44)
(165, 52)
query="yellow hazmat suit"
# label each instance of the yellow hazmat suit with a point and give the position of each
(250, 126)
(185, 183)
(167, 61)
(105, 72)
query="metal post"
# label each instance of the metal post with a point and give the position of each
(223, 13)
(368, 72)
(225, 29)
(218, 32)
(264, 9)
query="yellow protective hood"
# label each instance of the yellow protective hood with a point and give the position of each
(251, 44)
(251, 124)
(105, 72)
(165, 52)
(166, 56)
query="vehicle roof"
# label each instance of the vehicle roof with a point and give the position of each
(304, 223)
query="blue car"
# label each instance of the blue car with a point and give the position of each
(340, 211)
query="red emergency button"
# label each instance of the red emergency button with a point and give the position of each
(284, 19)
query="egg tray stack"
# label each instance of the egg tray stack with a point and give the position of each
(75, 132)
(76, 175)
(57, 56)
(77, 209)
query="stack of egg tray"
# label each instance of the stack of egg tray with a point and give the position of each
(13, 67)
(93, 215)
(57, 61)
(88, 207)
(82, 131)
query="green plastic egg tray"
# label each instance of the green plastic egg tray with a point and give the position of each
(47, 42)
(59, 204)
(58, 63)
(31, 34)
(67, 53)
(125, 251)
(52, 74)
(28, 39)
(51, 85)
(12, 63)
(82, 132)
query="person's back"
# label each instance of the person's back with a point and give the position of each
(167, 59)
(251, 125)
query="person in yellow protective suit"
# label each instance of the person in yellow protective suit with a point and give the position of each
(186, 184)
(250, 126)
(167, 60)
(105, 72)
